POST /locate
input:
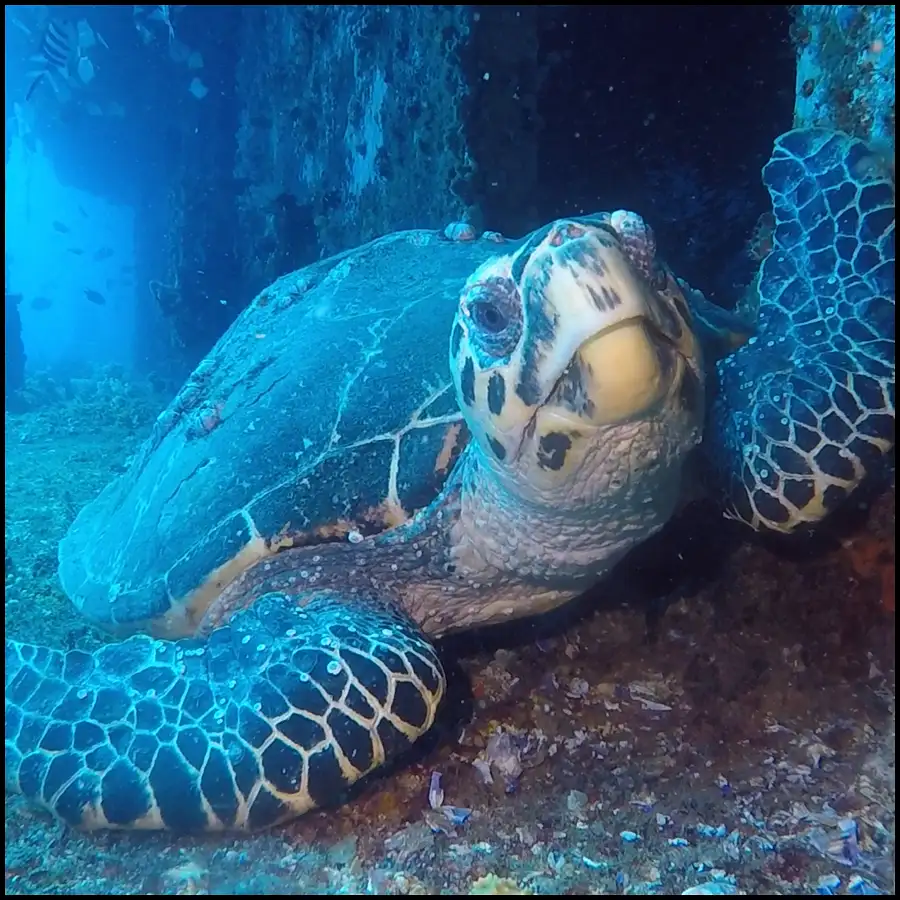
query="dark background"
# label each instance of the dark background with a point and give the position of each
(670, 111)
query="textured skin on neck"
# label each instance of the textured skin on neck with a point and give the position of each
(535, 552)
(488, 549)
(410, 565)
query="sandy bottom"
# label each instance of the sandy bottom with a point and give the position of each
(717, 717)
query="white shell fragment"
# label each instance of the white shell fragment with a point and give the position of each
(435, 791)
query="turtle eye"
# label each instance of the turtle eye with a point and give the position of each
(494, 316)
(488, 316)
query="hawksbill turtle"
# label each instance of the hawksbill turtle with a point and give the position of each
(325, 496)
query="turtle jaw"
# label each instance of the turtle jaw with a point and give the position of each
(618, 375)
(627, 387)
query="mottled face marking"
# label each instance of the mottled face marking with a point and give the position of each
(497, 448)
(496, 393)
(605, 299)
(520, 260)
(552, 450)
(579, 256)
(455, 339)
(565, 231)
(563, 340)
(467, 382)
(572, 391)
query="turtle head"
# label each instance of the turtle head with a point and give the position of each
(574, 356)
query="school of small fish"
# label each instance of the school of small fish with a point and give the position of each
(179, 52)
(43, 302)
(62, 61)
(63, 65)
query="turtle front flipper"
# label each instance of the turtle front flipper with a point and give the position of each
(280, 711)
(805, 411)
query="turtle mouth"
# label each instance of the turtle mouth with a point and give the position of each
(619, 374)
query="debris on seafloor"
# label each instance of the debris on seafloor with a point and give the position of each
(435, 791)
(507, 754)
(491, 884)
(187, 878)
(713, 887)
(576, 801)
(501, 757)
(381, 881)
(860, 885)
(709, 831)
(443, 818)
(409, 841)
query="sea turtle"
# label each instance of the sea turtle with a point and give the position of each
(355, 500)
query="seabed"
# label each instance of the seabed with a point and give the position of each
(718, 718)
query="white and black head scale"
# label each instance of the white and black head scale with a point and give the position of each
(564, 345)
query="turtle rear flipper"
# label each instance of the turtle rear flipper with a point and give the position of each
(279, 712)
(805, 411)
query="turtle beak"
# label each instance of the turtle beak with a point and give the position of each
(604, 360)
(622, 373)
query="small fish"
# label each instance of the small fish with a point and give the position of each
(103, 253)
(85, 70)
(54, 56)
(61, 227)
(83, 211)
(198, 88)
(95, 296)
(61, 56)
(164, 14)
(76, 250)
(40, 303)
(86, 35)
(144, 32)
(56, 45)
(179, 52)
